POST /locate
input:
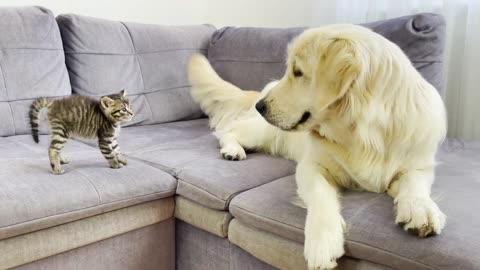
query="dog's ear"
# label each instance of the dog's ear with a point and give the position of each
(340, 67)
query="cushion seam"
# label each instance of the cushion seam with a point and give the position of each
(91, 183)
(139, 94)
(139, 68)
(266, 218)
(25, 99)
(52, 24)
(27, 48)
(136, 53)
(179, 179)
(8, 99)
(282, 62)
(231, 197)
(90, 207)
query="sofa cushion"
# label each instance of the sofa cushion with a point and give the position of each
(189, 151)
(33, 198)
(251, 57)
(32, 64)
(372, 234)
(149, 61)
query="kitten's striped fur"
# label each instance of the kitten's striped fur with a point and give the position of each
(83, 117)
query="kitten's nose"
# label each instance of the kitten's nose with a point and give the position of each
(261, 107)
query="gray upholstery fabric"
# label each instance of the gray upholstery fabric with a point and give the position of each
(33, 198)
(372, 235)
(37, 245)
(283, 253)
(199, 250)
(250, 57)
(149, 61)
(190, 152)
(148, 248)
(210, 220)
(32, 64)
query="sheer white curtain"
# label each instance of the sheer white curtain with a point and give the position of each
(462, 54)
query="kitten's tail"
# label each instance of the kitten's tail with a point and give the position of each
(37, 105)
(220, 100)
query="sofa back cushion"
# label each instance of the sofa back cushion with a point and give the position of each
(32, 65)
(251, 57)
(148, 61)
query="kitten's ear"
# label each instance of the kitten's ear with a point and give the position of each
(106, 102)
(122, 93)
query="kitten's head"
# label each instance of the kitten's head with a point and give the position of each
(117, 107)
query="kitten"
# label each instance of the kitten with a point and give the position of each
(83, 117)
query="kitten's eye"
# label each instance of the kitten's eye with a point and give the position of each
(297, 73)
(124, 110)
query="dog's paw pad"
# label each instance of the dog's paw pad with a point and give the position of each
(233, 153)
(419, 216)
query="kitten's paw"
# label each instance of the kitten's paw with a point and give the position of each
(115, 165)
(121, 159)
(58, 170)
(233, 152)
(64, 161)
(419, 216)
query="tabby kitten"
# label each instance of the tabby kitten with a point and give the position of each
(83, 117)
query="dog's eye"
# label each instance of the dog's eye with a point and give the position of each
(297, 73)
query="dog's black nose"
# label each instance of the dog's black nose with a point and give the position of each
(261, 107)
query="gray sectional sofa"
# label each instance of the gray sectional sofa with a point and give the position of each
(178, 204)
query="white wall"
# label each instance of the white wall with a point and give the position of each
(287, 13)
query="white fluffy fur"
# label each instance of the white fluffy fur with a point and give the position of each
(375, 125)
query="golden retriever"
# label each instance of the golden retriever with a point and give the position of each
(354, 113)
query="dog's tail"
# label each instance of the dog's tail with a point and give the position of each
(220, 100)
(37, 105)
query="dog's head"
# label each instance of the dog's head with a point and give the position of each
(324, 65)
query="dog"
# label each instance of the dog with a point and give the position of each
(232, 114)
(354, 113)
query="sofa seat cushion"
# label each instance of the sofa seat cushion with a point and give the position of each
(372, 234)
(32, 64)
(32, 198)
(189, 151)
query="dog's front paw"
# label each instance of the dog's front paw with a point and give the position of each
(419, 215)
(233, 152)
(324, 244)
